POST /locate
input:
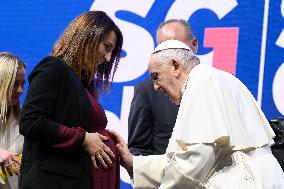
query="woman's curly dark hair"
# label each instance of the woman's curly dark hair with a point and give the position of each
(79, 42)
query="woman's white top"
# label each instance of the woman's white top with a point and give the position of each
(11, 140)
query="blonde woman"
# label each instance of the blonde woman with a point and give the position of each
(12, 79)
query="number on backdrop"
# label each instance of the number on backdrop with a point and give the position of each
(183, 9)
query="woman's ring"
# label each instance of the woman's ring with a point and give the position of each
(99, 156)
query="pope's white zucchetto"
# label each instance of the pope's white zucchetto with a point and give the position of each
(172, 44)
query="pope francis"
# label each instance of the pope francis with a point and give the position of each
(221, 138)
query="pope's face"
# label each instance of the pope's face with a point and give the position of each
(164, 79)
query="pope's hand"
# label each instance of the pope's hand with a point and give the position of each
(126, 159)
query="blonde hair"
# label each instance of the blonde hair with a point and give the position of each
(9, 65)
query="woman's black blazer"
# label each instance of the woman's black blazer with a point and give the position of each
(56, 96)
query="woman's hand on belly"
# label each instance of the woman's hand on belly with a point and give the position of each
(99, 152)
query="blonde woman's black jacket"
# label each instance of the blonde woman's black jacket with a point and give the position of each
(56, 96)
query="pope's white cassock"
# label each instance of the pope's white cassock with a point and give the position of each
(221, 139)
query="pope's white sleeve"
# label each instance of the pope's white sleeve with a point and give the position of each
(148, 171)
(186, 169)
(189, 168)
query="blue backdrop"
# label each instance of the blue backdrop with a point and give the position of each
(243, 37)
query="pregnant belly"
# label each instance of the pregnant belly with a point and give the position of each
(110, 142)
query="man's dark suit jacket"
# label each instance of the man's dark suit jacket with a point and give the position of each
(151, 120)
(56, 96)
